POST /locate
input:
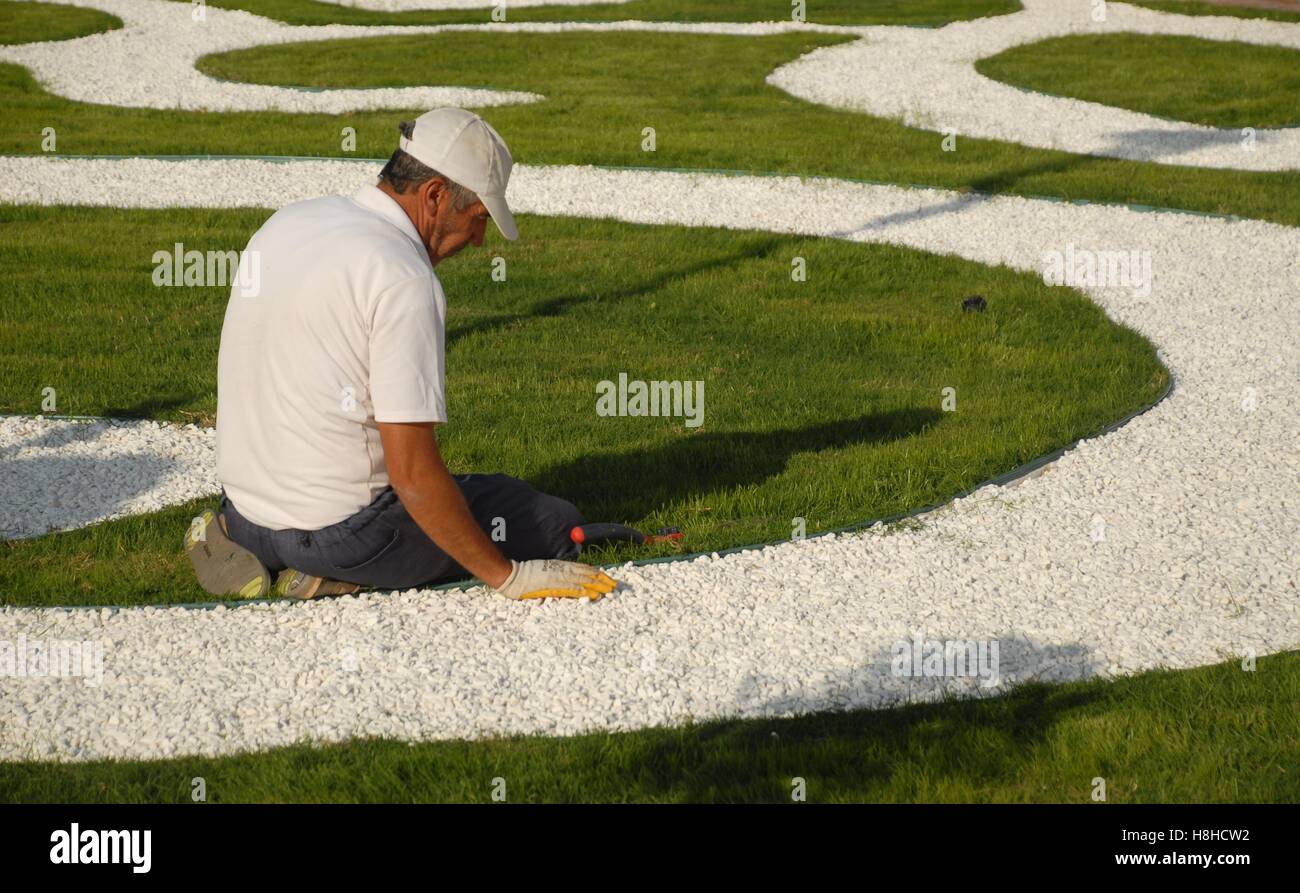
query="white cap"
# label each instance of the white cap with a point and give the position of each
(463, 146)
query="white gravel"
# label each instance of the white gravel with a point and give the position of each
(58, 474)
(149, 63)
(1195, 501)
(927, 78)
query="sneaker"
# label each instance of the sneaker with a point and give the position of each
(296, 584)
(223, 566)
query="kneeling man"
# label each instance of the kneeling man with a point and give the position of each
(330, 385)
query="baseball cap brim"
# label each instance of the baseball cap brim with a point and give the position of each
(501, 216)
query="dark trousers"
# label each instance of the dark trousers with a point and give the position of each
(382, 546)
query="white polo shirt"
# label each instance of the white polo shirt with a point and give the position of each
(343, 329)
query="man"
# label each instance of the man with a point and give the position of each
(330, 385)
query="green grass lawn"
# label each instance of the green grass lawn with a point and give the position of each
(31, 22)
(922, 13)
(1213, 734)
(1040, 368)
(1194, 7)
(1210, 82)
(826, 12)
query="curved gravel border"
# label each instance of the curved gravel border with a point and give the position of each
(149, 62)
(927, 78)
(61, 474)
(1169, 543)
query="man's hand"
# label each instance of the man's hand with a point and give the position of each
(551, 578)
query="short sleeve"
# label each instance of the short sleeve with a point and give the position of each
(407, 368)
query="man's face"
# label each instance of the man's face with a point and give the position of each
(444, 229)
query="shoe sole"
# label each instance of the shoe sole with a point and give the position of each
(308, 588)
(311, 587)
(223, 566)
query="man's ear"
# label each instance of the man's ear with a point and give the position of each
(431, 192)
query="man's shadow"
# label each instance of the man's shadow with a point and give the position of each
(630, 485)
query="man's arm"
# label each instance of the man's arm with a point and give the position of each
(433, 499)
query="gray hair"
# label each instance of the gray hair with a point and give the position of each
(404, 172)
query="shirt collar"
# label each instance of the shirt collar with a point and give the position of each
(372, 198)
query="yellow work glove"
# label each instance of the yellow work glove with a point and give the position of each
(551, 578)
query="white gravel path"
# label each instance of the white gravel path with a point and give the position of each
(149, 63)
(58, 474)
(1170, 543)
(927, 79)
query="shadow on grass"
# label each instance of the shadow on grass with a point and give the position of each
(981, 189)
(970, 732)
(152, 408)
(1006, 180)
(758, 249)
(631, 485)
